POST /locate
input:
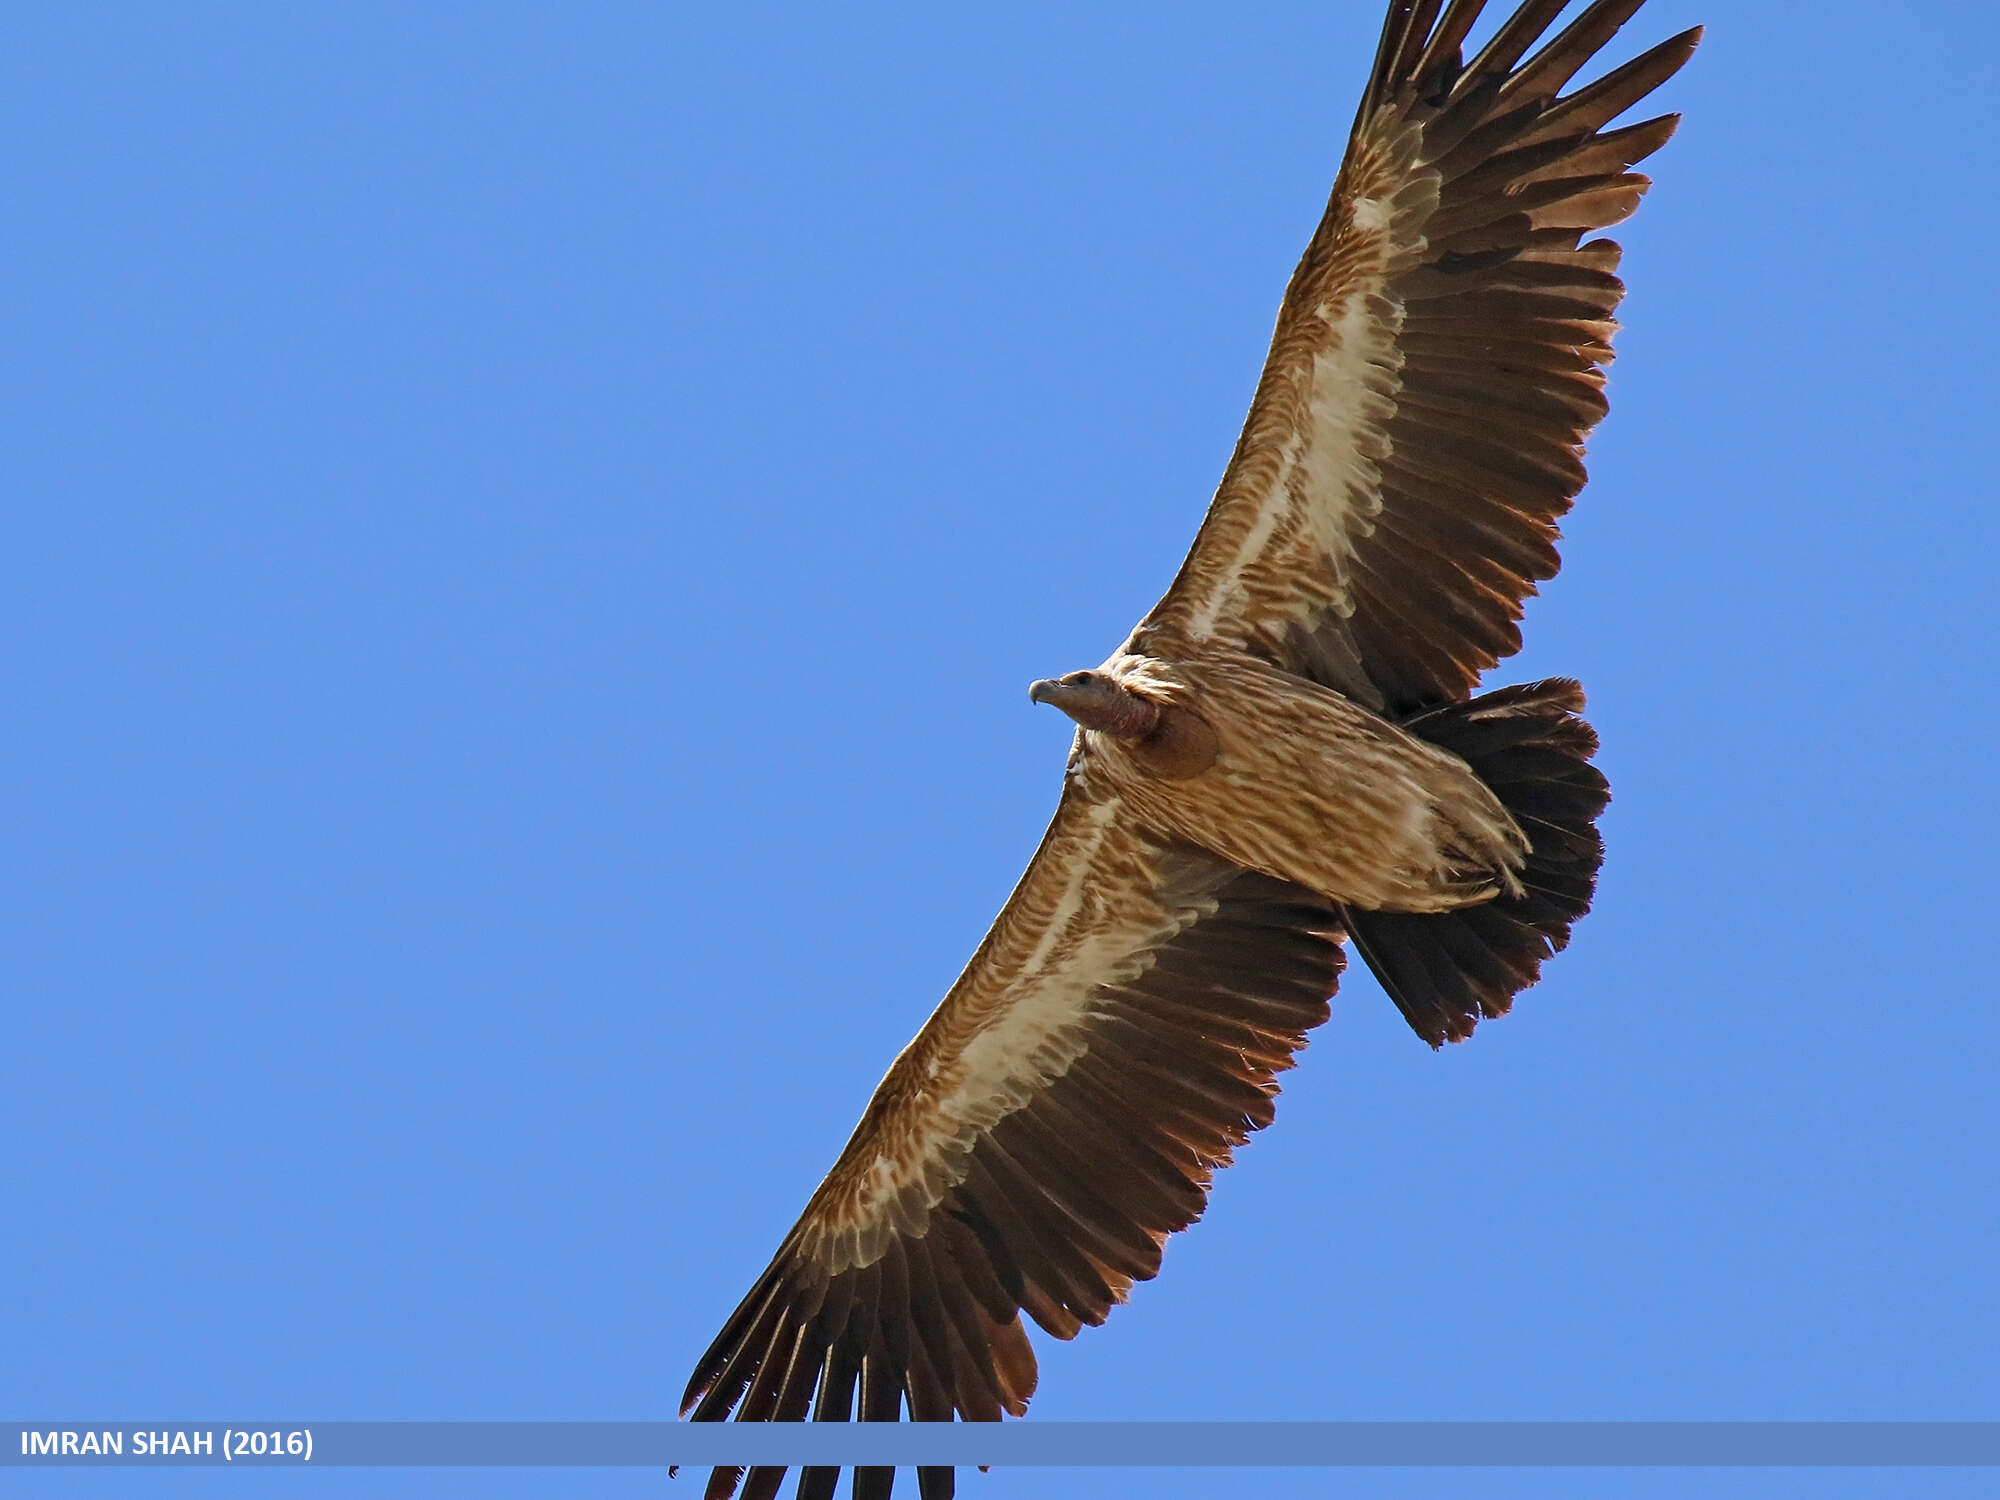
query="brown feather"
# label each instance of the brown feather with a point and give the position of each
(1542, 77)
(1515, 36)
(1617, 91)
(1441, 53)
(1065, 1272)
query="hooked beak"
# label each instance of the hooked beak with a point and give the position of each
(1044, 691)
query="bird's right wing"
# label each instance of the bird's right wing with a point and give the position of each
(1113, 1039)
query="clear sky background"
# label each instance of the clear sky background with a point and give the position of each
(529, 528)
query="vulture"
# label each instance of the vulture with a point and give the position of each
(1288, 754)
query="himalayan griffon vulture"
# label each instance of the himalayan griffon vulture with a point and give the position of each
(1288, 754)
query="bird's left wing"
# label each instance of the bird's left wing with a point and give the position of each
(1113, 1039)
(1419, 425)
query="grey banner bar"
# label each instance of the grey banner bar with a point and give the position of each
(1011, 1444)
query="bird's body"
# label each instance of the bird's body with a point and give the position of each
(1289, 754)
(1305, 786)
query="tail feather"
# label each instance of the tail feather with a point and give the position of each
(1446, 970)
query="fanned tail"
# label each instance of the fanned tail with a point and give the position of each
(1446, 970)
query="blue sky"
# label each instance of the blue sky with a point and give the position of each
(530, 530)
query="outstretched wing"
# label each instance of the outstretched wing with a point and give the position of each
(1113, 1039)
(1437, 364)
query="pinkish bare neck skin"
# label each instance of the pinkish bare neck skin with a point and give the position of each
(1126, 716)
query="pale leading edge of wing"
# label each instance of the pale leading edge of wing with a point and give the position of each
(1437, 364)
(1114, 1038)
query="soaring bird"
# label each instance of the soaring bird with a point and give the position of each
(1288, 753)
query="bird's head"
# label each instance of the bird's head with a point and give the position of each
(1097, 700)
